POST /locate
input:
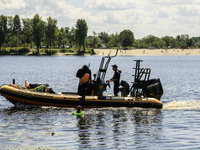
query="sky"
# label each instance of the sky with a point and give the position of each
(142, 17)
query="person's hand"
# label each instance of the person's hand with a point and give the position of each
(108, 83)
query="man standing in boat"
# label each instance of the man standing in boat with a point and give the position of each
(84, 74)
(115, 79)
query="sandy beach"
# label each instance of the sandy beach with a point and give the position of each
(148, 52)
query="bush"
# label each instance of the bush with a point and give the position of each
(66, 51)
(4, 52)
(52, 52)
(22, 51)
(63, 51)
(35, 52)
(12, 51)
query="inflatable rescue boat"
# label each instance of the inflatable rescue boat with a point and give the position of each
(144, 92)
(24, 96)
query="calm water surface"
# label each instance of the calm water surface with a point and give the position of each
(176, 126)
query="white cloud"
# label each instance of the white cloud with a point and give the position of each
(113, 4)
(174, 2)
(9, 4)
(163, 13)
(159, 17)
(190, 10)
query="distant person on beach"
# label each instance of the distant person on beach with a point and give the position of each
(115, 79)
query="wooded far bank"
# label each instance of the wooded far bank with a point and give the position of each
(35, 36)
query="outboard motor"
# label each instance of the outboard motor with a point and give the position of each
(143, 86)
(153, 89)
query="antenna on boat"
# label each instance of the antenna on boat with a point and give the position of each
(13, 81)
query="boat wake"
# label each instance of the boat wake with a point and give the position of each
(186, 105)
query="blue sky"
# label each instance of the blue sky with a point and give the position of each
(145, 17)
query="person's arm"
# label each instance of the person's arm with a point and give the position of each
(111, 80)
(114, 78)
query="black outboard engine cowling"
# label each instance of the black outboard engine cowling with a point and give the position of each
(153, 88)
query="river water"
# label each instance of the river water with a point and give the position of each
(176, 126)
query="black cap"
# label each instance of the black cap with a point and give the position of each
(114, 66)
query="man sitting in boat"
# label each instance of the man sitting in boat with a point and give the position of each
(124, 89)
(115, 79)
(38, 87)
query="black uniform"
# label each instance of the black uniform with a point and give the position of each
(116, 83)
(80, 73)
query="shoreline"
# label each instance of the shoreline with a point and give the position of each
(131, 52)
(147, 52)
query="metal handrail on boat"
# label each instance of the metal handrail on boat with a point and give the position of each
(102, 73)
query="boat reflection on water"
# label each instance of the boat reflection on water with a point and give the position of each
(104, 126)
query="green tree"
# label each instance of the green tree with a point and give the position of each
(81, 33)
(71, 35)
(197, 45)
(105, 38)
(151, 41)
(16, 29)
(190, 42)
(138, 43)
(93, 41)
(195, 40)
(67, 36)
(38, 31)
(3, 30)
(183, 39)
(9, 36)
(172, 43)
(167, 40)
(50, 31)
(114, 41)
(126, 38)
(60, 37)
(26, 36)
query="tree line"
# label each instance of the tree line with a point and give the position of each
(26, 32)
(16, 32)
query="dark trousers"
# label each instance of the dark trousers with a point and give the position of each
(82, 90)
(116, 89)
